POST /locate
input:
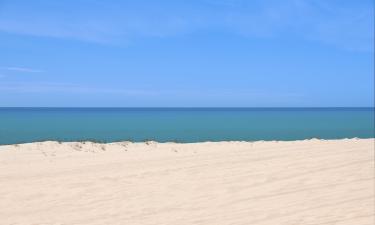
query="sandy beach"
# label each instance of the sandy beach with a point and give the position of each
(285, 182)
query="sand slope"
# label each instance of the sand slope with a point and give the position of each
(291, 183)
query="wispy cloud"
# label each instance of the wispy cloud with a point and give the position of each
(23, 69)
(56, 87)
(333, 23)
(53, 87)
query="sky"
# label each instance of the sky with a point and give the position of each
(197, 53)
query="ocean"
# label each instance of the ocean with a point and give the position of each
(20, 125)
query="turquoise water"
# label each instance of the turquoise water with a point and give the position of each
(18, 125)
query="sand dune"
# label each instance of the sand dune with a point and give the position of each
(292, 183)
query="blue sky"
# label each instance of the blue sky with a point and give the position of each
(187, 53)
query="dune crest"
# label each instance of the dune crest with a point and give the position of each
(265, 182)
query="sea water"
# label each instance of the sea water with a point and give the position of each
(20, 125)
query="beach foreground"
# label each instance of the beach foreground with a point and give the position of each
(294, 182)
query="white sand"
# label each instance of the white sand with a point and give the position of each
(291, 183)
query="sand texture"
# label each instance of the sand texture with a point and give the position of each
(213, 183)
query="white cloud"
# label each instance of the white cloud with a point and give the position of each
(336, 24)
(23, 69)
(55, 87)
(177, 97)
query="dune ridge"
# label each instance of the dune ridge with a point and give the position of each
(263, 182)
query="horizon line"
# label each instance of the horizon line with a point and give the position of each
(182, 107)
